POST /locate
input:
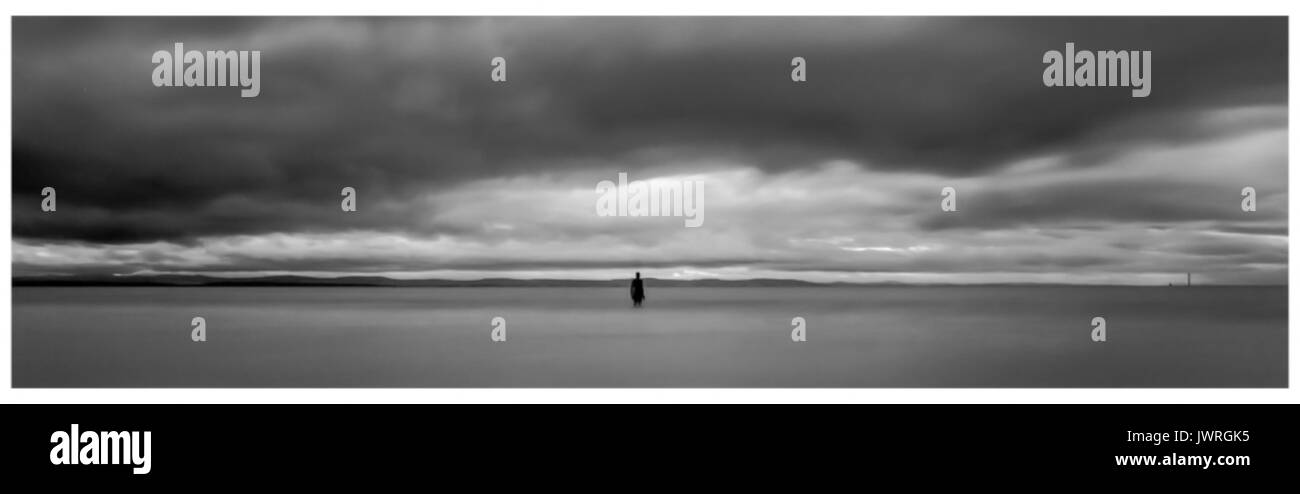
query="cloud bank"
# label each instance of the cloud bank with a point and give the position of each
(835, 179)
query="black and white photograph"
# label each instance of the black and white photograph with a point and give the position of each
(649, 202)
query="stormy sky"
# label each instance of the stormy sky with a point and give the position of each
(833, 179)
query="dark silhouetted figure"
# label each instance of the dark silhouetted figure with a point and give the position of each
(638, 291)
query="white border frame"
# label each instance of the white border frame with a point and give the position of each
(590, 7)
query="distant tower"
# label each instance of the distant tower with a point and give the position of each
(1189, 279)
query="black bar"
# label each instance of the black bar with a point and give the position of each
(477, 444)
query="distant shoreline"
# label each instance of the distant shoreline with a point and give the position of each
(379, 281)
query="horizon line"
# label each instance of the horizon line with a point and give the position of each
(380, 281)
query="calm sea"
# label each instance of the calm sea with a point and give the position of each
(683, 337)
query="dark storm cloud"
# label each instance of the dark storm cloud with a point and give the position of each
(403, 107)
